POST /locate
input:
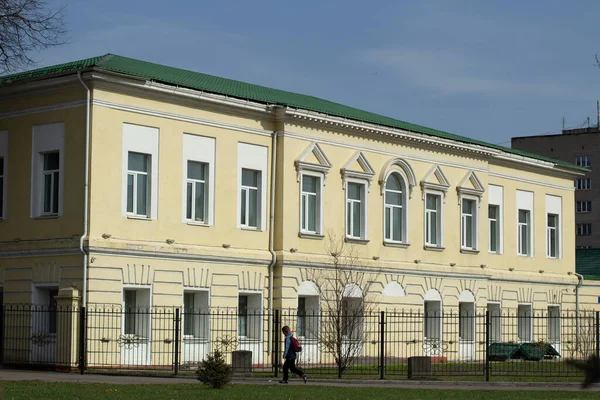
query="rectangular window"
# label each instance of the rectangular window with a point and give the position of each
(250, 316)
(352, 318)
(130, 311)
(243, 315)
(584, 184)
(553, 325)
(52, 293)
(552, 236)
(495, 322)
(196, 315)
(584, 206)
(50, 179)
(433, 219)
(197, 192)
(583, 229)
(1, 187)
(250, 199)
(494, 228)
(301, 322)
(138, 184)
(524, 233)
(468, 224)
(355, 210)
(583, 161)
(524, 328)
(310, 204)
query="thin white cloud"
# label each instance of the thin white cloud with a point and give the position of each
(448, 73)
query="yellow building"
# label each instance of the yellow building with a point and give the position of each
(145, 185)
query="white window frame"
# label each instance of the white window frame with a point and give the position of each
(559, 322)
(583, 206)
(583, 161)
(135, 174)
(364, 211)
(4, 157)
(258, 316)
(553, 230)
(319, 201)
(583, 183)
(194, 182)
(404, 208)
(520, 225)
(48, 138)
(138, 288)
(474, 224)
(581, 231)
(54, 174)
(194, 291)
(531, 317)
(440, 220)
(497, 230)
(200, 149)
(245, 200)
(143, 140)
(498, 320)
(254, 157)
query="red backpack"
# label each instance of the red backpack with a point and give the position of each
(295, 345)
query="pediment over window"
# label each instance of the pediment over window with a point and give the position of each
(358, 167)
(401, 166)
(313, 159)
(470, 185)
(435, 180)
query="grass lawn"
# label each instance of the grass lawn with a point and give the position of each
(73, 391)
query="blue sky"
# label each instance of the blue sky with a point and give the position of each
(483, 69)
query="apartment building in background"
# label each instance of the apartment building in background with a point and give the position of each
(139, 184)
(581, 147)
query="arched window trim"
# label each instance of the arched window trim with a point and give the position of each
(403, 168)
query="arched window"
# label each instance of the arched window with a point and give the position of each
(395, 209)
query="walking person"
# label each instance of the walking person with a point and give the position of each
(289, 354)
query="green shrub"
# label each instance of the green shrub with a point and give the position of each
(214, 371)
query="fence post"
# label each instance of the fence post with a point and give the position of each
(1, 336)
(176, 355)
(487, 345)
(275, 333)
(382, 345)
(597, 334)
(82, 339)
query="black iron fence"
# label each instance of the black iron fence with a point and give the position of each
(384, 344)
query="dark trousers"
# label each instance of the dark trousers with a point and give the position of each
(290, 365)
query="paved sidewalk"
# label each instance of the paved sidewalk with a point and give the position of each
(24, 375)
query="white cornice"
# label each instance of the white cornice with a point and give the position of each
(41, 109)
(179, 117)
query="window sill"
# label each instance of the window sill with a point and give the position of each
(139, 217)
(497, 253)
(524, 255)
(250, 229)
(54, 216)
(356, 240)
(308, 235)
(434, 248)
(469, 251)
(399, 245)
(192, 223)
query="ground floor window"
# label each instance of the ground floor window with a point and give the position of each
(136, 312)
(196, 315)
(249, 315)
(308, 317)
(524, 324)
(44, 314)
(495, 316)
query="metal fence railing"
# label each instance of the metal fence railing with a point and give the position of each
(398, 344)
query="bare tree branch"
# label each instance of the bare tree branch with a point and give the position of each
(346, 291)
(27, 26)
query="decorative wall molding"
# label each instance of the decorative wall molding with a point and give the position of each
(366, 174)
(323, 166)
(399, 165)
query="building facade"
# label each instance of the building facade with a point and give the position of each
(147, 186)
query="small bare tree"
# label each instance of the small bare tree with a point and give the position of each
(346, 291)
(26, 26)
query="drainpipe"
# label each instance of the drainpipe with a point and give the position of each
(579, 284)
(271, 235)
(86, 187)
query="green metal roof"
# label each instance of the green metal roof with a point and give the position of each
(247, 91)
(587, 263)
